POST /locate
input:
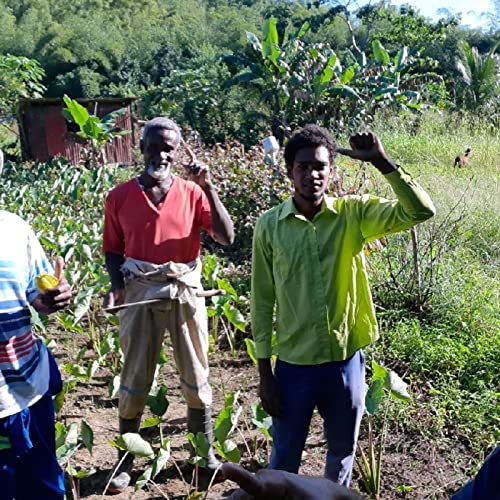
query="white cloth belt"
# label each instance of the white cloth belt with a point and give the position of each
(172, 280)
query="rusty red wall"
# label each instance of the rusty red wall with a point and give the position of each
(45, 132)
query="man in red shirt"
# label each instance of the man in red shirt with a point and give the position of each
(151, 244)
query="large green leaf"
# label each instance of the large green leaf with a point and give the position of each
(380, 54)
(398, 388)
(78, 113)
(262, 419)
(91, 129)
(158, 403)
(379, 372)
(230, 451)
(374, 396)
(400, 59)
(66, 441)
(87, 436)
(143, 479)
(223, 425)
(162, 458)
(82, 301)
(250, 344)
(134, 444)
(223, 284)
(270, 44)
(254, 41)
(328, 71)
(150, 422)
(200, 444)
(348, 74)
(234, 316)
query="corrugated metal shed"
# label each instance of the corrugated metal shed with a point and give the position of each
(45, 132)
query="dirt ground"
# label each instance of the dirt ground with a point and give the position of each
(413, 467)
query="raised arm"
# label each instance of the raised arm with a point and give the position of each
(222, 225)
(379, 216)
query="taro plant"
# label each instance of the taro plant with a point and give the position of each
(158, 404)
(130, 443)
(68, 441)
(264, 422)
(159, 462)
(225, 424)
(224, 310)
(384, 383)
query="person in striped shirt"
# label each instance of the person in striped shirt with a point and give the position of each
(29, 376)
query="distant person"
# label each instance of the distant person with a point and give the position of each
(310, 285)
(152, 230)
(29, 376)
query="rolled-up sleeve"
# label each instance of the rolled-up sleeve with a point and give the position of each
(263, 291)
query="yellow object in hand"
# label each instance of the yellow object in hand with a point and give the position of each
(45, 281)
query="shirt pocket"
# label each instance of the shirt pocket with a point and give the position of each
(288, 263)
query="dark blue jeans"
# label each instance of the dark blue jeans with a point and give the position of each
(29, 469)
(337, 389)
(486, 484)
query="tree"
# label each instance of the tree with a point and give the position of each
(479, 73)
(19, 77)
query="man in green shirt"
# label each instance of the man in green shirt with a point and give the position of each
(308, 268)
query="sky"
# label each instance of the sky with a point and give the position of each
(470, 10)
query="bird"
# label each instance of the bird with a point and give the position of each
(463, 160)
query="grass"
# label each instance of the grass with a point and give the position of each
(449, 348)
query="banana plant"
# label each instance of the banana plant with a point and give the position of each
(94, 131)
(301, 82)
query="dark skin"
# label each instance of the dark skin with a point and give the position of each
(160, 150)
(310, 173)
(280, 485)
(57, 298)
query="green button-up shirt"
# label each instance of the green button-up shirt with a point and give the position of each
(314, 271)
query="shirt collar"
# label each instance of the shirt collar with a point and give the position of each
(289, 208)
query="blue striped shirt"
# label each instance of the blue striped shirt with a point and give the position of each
(24, 363)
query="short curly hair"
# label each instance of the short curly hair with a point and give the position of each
(310, 136)
(162, 123)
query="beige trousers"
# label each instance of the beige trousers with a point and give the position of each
(142, 330)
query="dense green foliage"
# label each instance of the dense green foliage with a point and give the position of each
(180, 56)
(440, 332)
(233, 71)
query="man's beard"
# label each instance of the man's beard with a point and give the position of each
(159, 174)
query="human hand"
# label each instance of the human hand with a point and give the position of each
(197, 172)
(55, 298)
(200, 174)
(114, 298)
(270, 395)
(275, 485)
(367, 146)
